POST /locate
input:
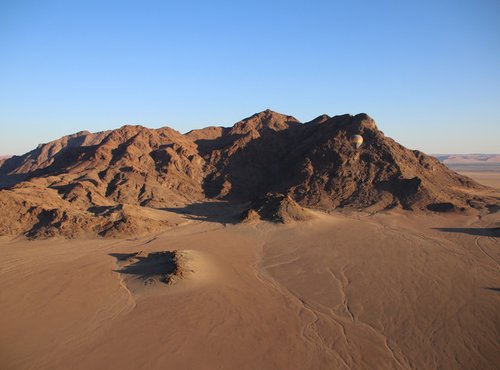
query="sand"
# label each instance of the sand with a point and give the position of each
(395, 290)
(489, 178)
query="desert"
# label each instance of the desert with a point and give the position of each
(271, 244)
(249, 185)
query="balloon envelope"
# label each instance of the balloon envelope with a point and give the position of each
(357, 140)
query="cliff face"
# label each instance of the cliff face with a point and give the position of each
(99, 183)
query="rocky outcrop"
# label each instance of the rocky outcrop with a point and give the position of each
(276, 208)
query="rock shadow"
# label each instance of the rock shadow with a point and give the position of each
(149, 267)
(478, 231)
(493, 289)
(223, 212)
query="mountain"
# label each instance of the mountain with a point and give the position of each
(108, 183)
(3, 158)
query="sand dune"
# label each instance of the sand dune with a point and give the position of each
(340, 291)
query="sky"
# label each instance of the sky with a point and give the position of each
(427, 71)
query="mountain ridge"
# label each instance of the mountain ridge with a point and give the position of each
(101, 183)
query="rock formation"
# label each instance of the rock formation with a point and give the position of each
(276, 208)
(100, 183)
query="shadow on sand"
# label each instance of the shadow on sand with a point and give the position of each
(219, 212)
(493, 289)
(147, 266)
(479, 231)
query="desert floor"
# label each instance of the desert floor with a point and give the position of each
(394, 290)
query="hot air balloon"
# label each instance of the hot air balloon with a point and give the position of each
(357, 140)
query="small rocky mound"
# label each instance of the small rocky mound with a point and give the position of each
(155, 267)
(276, 208)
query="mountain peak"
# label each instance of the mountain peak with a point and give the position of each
(266, 119)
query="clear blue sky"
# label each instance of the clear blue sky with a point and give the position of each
(427, 71)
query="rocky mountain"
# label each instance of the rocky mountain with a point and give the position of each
(106, 183)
